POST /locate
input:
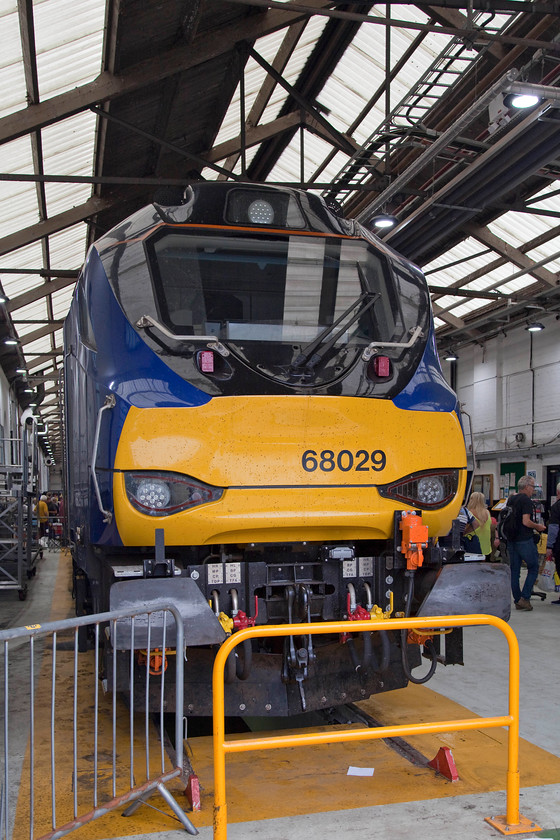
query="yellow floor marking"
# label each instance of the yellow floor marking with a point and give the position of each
(282, 782)
(145, 819)
(308, 780)
(62, 605)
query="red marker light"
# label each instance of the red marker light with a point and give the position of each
(206, 361)
(382, 366)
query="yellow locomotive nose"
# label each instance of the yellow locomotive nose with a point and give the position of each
(263, 469)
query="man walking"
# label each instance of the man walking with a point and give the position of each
(522, 545)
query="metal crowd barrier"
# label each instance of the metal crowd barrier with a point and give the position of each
(512, 822)
(87, 779)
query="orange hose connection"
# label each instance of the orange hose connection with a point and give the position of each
(157, 663)
(414, 538)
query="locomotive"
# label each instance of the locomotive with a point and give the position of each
(258, 429)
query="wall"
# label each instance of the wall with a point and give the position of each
(510, 386)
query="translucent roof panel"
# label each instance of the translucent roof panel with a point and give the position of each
(255, 75)
(458, 262)
(12, 77)
(16, 157)
(68, 40)
(346, 95)
(68, 147)
(68, 45)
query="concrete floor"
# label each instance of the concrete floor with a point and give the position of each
(480, 686)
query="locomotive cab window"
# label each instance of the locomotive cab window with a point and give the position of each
(272, 297)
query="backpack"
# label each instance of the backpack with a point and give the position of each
(507, 525)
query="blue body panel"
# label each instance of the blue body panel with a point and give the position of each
(123, 366)
(427, 390)
(124, 363)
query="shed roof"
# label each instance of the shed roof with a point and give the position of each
(385, 108)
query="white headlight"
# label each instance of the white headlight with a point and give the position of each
(260, 212)
(430, 490)
(153, 493)
(164, 493)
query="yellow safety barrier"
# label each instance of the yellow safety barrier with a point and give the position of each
(510, 823)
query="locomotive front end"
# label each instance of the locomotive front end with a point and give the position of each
(264, 405)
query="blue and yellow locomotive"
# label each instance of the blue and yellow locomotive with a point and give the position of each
(258, 427)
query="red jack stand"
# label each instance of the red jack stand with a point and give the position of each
(192, 792)
(443, 763)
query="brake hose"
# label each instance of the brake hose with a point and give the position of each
(404, 655)
(368, 654)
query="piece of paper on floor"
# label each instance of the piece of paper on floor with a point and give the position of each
(360, 771)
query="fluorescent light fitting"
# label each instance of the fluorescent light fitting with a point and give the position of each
(10, 341)
(384, 221)
(521, 100)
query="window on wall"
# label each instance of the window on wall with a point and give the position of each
(484, 484)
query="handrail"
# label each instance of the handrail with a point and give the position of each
(110, 402)
(511, 720)
(146, 321)
(403, 345)
(471, 456)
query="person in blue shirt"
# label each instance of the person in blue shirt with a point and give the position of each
(522, 546)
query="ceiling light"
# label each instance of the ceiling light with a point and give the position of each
(384, 221)
(451, 356)
(535, 326)
(10, 341)
(520, 100)
(21, 370)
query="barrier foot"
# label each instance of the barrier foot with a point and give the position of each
(135, 804)
(192, 792)
(177, 810)
(522, 827)
(444, 763)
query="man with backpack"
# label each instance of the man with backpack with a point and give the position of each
(520, 542)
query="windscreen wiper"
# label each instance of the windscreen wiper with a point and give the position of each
(313, 352)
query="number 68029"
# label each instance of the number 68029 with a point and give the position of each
(344, 460)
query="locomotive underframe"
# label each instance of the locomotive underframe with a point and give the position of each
(282, 584)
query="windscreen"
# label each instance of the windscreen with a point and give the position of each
(298, 308)
(281, 289)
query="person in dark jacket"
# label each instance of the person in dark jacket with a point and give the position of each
(522, 546)
(553, 537)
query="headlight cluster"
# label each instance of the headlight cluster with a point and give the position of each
(164, 493)
(427, 490)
